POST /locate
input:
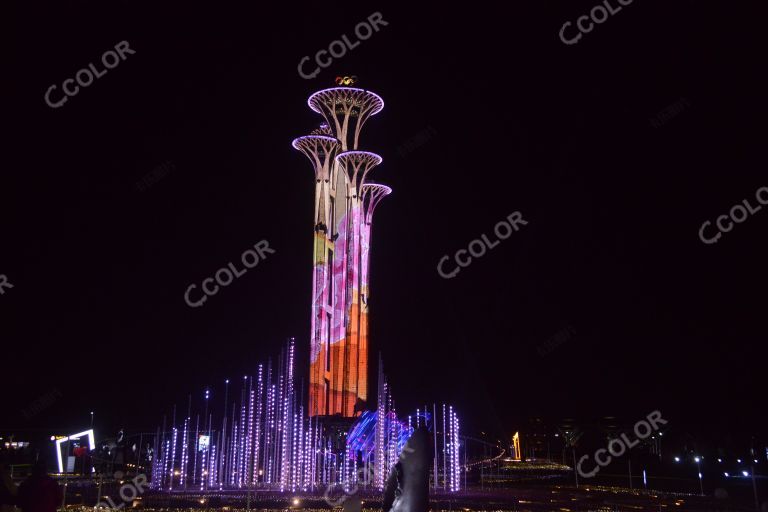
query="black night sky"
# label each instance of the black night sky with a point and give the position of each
(572, 136)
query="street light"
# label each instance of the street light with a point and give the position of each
(677, 459)
(754, 484)
(698, 466)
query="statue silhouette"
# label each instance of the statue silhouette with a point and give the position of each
(407, 489)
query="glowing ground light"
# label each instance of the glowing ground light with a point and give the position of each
(295, 468)
(173, 458)
(184, 453)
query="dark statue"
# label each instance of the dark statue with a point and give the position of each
(407, 489)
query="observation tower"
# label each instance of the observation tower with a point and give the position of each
(344, 204)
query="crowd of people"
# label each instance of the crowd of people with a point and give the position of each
(37, 493)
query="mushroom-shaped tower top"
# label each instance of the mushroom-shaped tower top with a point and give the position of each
(346, 109)
(356, 165)
(371, 194)
(320, 149)
(377, 189)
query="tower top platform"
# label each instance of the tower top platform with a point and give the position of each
(326, 100)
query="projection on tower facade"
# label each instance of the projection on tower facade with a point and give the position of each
(344, 204)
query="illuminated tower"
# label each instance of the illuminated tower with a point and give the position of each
(516, 447)
(344, 205)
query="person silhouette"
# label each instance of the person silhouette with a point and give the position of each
(39, 492)
(8, 490)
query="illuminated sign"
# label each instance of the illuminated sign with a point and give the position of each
(203, 442)
(73, 437)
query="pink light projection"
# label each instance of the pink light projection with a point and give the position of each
(339, 326)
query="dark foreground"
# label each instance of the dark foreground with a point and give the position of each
(560, 498)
